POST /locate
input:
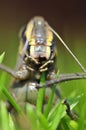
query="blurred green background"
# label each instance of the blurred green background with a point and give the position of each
(67, 17)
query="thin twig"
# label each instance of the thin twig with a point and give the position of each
(63, 78)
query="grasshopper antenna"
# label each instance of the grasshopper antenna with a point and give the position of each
(75, 58)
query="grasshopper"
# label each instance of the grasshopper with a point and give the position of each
(37, 54)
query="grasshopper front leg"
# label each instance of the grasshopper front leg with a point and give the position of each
(21, 74)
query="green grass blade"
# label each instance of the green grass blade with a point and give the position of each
(64, 124)
(42, 121)
(11, 123)
(2, 81)
(2, 57)
(12, 101)
(40, 97)
(73, 124)
(37, 120)
(4, 117)
(74, 101)
(32, 116)
(56, 115)
(48, 107)
(10, 98)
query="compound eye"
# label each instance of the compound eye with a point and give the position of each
(53, 46)
(22, 34)
(24, 38)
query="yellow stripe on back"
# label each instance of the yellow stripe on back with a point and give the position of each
(28, 32)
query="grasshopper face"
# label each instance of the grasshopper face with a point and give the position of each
(39, 39)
